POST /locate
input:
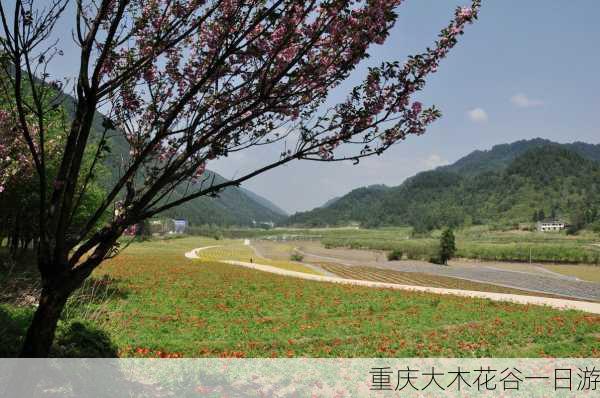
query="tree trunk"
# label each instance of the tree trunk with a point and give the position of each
(43, 326)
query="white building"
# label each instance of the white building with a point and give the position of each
(263, 224)
(550, 225)
(180, 226)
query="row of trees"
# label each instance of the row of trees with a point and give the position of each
(20, 189)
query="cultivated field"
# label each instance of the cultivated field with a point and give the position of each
(421, 279)
(152, 301)
(479, 242)
(468, 274)
(373, 266)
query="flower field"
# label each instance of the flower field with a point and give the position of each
(154, 302)
(174, 306)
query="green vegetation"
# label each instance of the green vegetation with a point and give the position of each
(478, 243)
(236, 251)
(232, 206)
(500, 156)
(505, 185)
(395, 255)
(74, 339)
(296, 257)
(589, 273)
(447, 246)
(162, 304)
(19, 181)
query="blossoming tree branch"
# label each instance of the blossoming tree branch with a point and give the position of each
(186, 83)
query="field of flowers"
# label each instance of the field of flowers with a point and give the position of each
(178, 307)
(151, 301)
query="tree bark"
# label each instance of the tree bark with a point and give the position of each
(40, 334)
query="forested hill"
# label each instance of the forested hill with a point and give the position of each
(233, 206)
(507, 184)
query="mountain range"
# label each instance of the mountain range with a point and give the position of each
(509, 183)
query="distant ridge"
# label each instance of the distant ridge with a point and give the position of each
(265, 202)
(505, 184)
(500, 156)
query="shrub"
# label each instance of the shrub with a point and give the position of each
(296, 257)
(413, 256)
(573, 229)
(82, 340)
(395, 255)
(436, 260)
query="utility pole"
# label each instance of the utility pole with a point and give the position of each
(530, 255)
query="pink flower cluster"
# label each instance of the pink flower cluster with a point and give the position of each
(14, 161)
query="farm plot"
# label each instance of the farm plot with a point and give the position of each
(422, 279)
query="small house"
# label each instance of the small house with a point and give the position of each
(550, 226)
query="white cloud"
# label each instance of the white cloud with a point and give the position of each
(522, 101)
(478, 115)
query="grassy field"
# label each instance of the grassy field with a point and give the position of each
(590, 273)
(152, 301)
(236, 250)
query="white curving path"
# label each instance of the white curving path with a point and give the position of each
(562, 304)
(193, 253)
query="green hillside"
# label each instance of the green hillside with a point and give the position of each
(508, 184)
(233, 206)
(265, 202)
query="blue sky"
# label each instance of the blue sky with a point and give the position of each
(527, 68)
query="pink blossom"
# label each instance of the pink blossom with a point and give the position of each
(465, 12)
(417, 107)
